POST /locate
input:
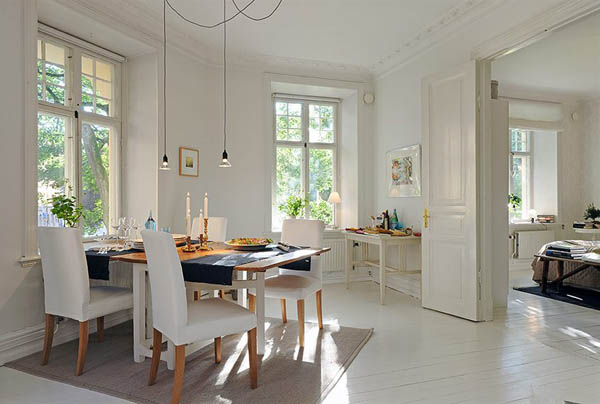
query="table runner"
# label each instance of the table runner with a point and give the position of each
(218, 268)
(98, 263)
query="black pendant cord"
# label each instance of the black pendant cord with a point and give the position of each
(241, 11)
(224, 76)
(165, 75)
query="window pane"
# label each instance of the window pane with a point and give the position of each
(519, 140)
(282, 122)
(281, 108)
(321, 124)
(87, 84)
(320, 183)
(95, 145)
(288, 181)
(55, 95)
(87, 65)
(520, 186)
(102, 107)
(51, 175)
(39, 49)
(295, 122)
(40, 94)
(55, 54)
(103, 88)
(103, 71)
(295, 109)
(40, 65)
(55, 75)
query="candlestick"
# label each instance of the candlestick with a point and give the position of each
(206, 205)
(206, 231)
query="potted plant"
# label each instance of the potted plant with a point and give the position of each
(66, 208)
(591, 214)
(293, 206)
(514, 205)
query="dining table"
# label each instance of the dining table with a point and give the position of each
(252, 276)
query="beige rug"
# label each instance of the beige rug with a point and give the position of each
(287, 374)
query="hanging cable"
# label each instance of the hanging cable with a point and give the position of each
(241, 11)
(224, 75)
(213, 25)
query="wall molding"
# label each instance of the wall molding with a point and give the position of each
(535, 28)
(29, 340)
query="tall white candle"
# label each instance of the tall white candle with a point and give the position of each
(188, 215)
(201, 222)
(206, 204)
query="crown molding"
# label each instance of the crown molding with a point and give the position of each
(433, 34)
(535, 28)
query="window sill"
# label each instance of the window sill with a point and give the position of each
(30, 261)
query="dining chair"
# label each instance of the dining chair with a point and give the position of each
(217, 231)
(67, 290)
(182, 321)
(295, 284)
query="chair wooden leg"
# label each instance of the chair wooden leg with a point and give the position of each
(218, 350)
(100, 327)
(319, 309)
(179, 369)
(48, 338)
(251, 303)
(252, 354)
(83, 345)
(301, 321)
(283, 311)
(197, 294)
(222, 293)
(156, 351)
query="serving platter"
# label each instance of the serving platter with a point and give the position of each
(248, 243)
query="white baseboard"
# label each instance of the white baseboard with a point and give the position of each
(29, 340)
(359, 274)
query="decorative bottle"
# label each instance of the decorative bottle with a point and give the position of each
(150, 223)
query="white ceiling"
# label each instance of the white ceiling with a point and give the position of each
(366, 35)
(566, 62)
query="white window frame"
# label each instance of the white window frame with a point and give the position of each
(73, 111)
(306, 146)
(527, 201)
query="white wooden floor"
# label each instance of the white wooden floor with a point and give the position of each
(536, 351)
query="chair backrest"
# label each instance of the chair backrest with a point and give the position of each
(217, 228)
(169, 306)
(305, 233)
(66, 279)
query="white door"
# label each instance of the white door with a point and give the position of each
(450, 262)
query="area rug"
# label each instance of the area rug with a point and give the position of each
(568, 294)
(287, 374)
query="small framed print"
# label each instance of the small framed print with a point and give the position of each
(188, 162)
(404, 171)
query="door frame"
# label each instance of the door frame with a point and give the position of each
(513, 39)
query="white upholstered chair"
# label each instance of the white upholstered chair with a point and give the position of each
(217, 231)
(293, 284)
(67, 289)
(183, 321)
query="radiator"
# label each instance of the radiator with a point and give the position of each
(528, 243)
(334, 259)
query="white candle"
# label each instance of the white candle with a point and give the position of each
(200, 223)
(206, 204)
(188, 215)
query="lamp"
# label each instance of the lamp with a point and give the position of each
(165, 160)
(224, 158)
(334, 197)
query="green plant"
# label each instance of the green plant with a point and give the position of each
(514, 200)
(293, 206)
(591, 213)
(66, 208)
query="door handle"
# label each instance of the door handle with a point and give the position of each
(426, 218)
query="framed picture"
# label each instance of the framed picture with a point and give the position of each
(403, 171)
(188, 162)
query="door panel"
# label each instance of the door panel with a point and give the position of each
(450, 265)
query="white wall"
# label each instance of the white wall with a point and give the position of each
(544, 172)
(591, 136)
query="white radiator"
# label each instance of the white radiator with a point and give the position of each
(334, 259)
(528, 243)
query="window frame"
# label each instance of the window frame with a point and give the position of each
(528, 155)
(73, 112)
(305, 144)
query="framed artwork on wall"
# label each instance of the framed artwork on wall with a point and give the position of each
(403, 171)
(188, 162)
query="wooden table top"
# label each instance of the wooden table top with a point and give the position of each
(220, 248)
(579, 261)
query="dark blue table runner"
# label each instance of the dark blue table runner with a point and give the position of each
(216, 269)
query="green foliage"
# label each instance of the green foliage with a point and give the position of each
(293, 206)
(66, 208)
(591, 213)
(321, 210)
(514, 200)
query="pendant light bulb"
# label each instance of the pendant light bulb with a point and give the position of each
(165, 163)
(225, 161)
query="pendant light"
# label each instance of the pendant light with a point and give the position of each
(224, 158)
(165, 160)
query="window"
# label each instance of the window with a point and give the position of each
(78, 133)
(305, 157)
(520, 173)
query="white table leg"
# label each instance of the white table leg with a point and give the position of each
(348, 263)
(139, 311)
(244, 292)
(382, 265)
(260, 312)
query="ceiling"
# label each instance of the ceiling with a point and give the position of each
(365, 35)
(566, 62)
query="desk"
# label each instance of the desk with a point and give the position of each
(253, 276)
(383, 241)
(583, 265)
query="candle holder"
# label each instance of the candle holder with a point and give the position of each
(188, 247)
(203, 238)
